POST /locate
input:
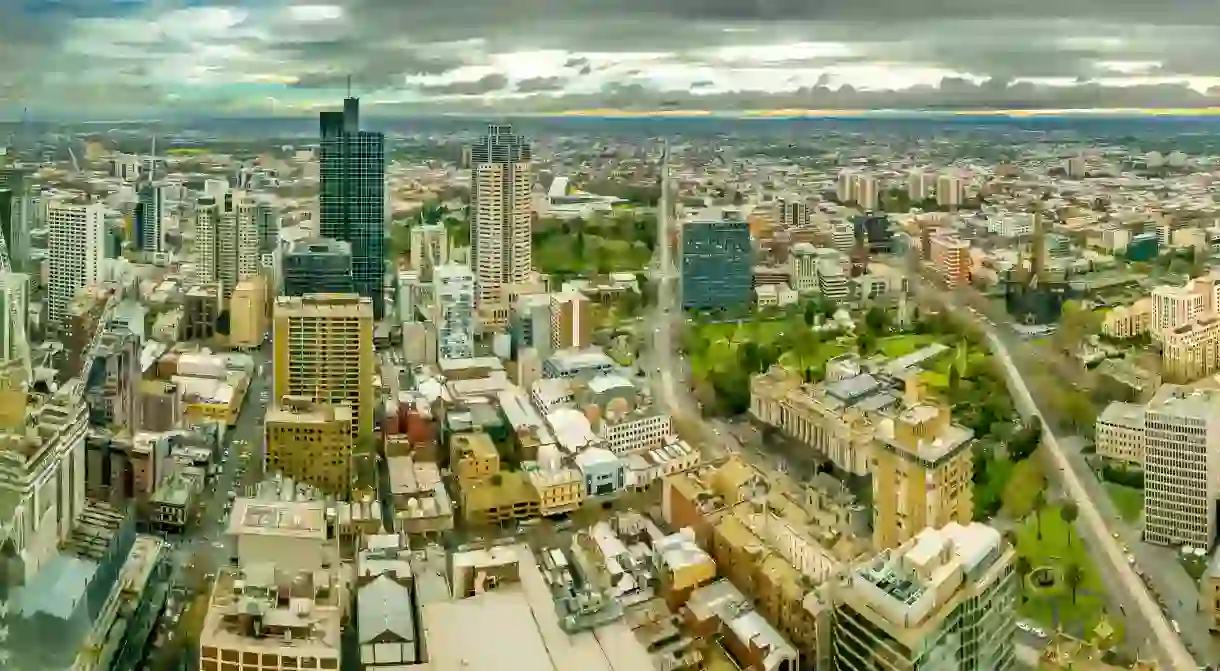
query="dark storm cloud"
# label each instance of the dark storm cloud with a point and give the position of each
(540, 84)
(485, 85)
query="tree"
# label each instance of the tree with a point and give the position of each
(877, 319)
(811, 313)
(1023, 567)
(1039, 504)
(1073, 576)
(955, 380)
(865, 342)
(1069, 512)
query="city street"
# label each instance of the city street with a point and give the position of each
(205, 547)
(1145, 620)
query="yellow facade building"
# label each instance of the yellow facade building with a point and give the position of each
(922, 474)
(311, 443)
(247, 314)
(500, 498)
(323, 351)
(473, 456)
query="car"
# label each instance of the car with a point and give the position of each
(1115, 535)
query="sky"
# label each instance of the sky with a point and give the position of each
(150, 58)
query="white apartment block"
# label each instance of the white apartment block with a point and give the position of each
(636, 431)
(920, 184)
(1181, 466)
(454, 298)
(843, 237)
(1011, 224)
(76, 245)
(950, 191)
(1119, 433)
(793, 211)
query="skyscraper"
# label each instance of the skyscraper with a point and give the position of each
(207, 224)
(318, 266)
(351, 196)
(149, 210)
(500, 208)
(16, 209)
(226, 239)
(76, 245)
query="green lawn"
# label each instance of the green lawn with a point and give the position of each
(1128, 500)
(1054, 550)
(897, 346)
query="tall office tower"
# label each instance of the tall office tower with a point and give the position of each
(946, 599)
(717, 261)
(149, 211)
(76, 249)
(453, 303)
(922, 473)
(268, 227)
(429, 249)
(16, 211)
(323, 351)
(317, 266)
(207, 226)
(237, 255)
(1181, 460)
(351, 197)
(500, 210)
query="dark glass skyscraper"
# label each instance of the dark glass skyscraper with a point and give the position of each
(149, 207)
(318, 266)
(15, 216)
(351, 196)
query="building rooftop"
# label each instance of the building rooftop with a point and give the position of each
(485, 494)
(1123, 414)
(1172, 399)
(297, 519)
(295, 412)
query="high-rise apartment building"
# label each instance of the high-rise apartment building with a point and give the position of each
(866, 192)
(922, 473)
(352, 197)
(429, 249)
(317, 266)
(453, 289)
(844, 186)
(950, 191)
(945, 599)
(920, 184)
(150, 206)
(951, 260)
(1181, 466)
(76, 246)
(323, 351)
(717, 261)
(311, 443)
(207, 226)
(571, 321)
(500, 209)
(226, 240)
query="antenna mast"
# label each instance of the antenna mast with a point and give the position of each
(349, 86)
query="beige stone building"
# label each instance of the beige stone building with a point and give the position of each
(1191, 351)
(248, 314)
(1128, 321)
(922, 474)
